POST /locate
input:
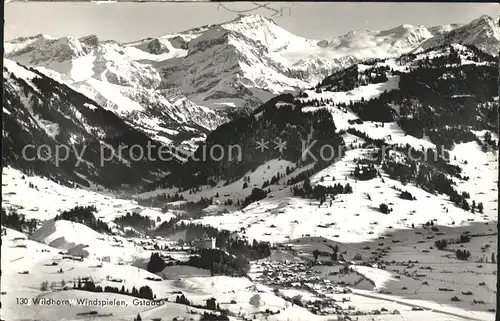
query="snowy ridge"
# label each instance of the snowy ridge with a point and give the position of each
(275, 217)
(50, 199)
(257, 57)
(349, 238)
(242, 72)
(50, 113)
(108, 73)
(392, 42)
(280, 218)
(483, 32)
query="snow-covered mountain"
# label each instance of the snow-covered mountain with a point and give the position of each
(241, 63)
(51, 130)
(377, 162)
(426, 101)
(437, 30)
(256, 58)
(376, 114)
(483, 33)
(108, 73)
(163, 87)
(374, 43)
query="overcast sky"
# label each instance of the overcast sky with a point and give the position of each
(133, 21)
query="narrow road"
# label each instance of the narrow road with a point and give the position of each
(19, 258)
(354, 292)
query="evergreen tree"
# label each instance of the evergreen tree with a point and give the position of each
(211, 304)
(44, 286)
(316, 254)
(307, 186)
(156, 263)
(384, 208)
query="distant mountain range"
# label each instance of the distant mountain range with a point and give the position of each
(240, 63)
(324, 171)
(179, 88)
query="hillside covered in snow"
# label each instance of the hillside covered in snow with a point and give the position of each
(51, 130)
(352, 178)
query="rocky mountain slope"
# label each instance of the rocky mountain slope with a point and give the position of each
(108, 73)
(255, 53)
(162, 85)
(404, 120)
(51, 130)
(369, 192)
(483, 33)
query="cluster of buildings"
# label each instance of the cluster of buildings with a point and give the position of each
(204, 243)
(328, 296)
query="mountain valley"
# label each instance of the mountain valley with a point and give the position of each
(354, 178)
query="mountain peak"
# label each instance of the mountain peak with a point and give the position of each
(252, 19)
(483, 21)
(263, 30)
(38, 36)
(441, 29)
(405, 29)
(355, 33)
(482, 33)
(404, 26)
(484, 17)
(90, 40)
